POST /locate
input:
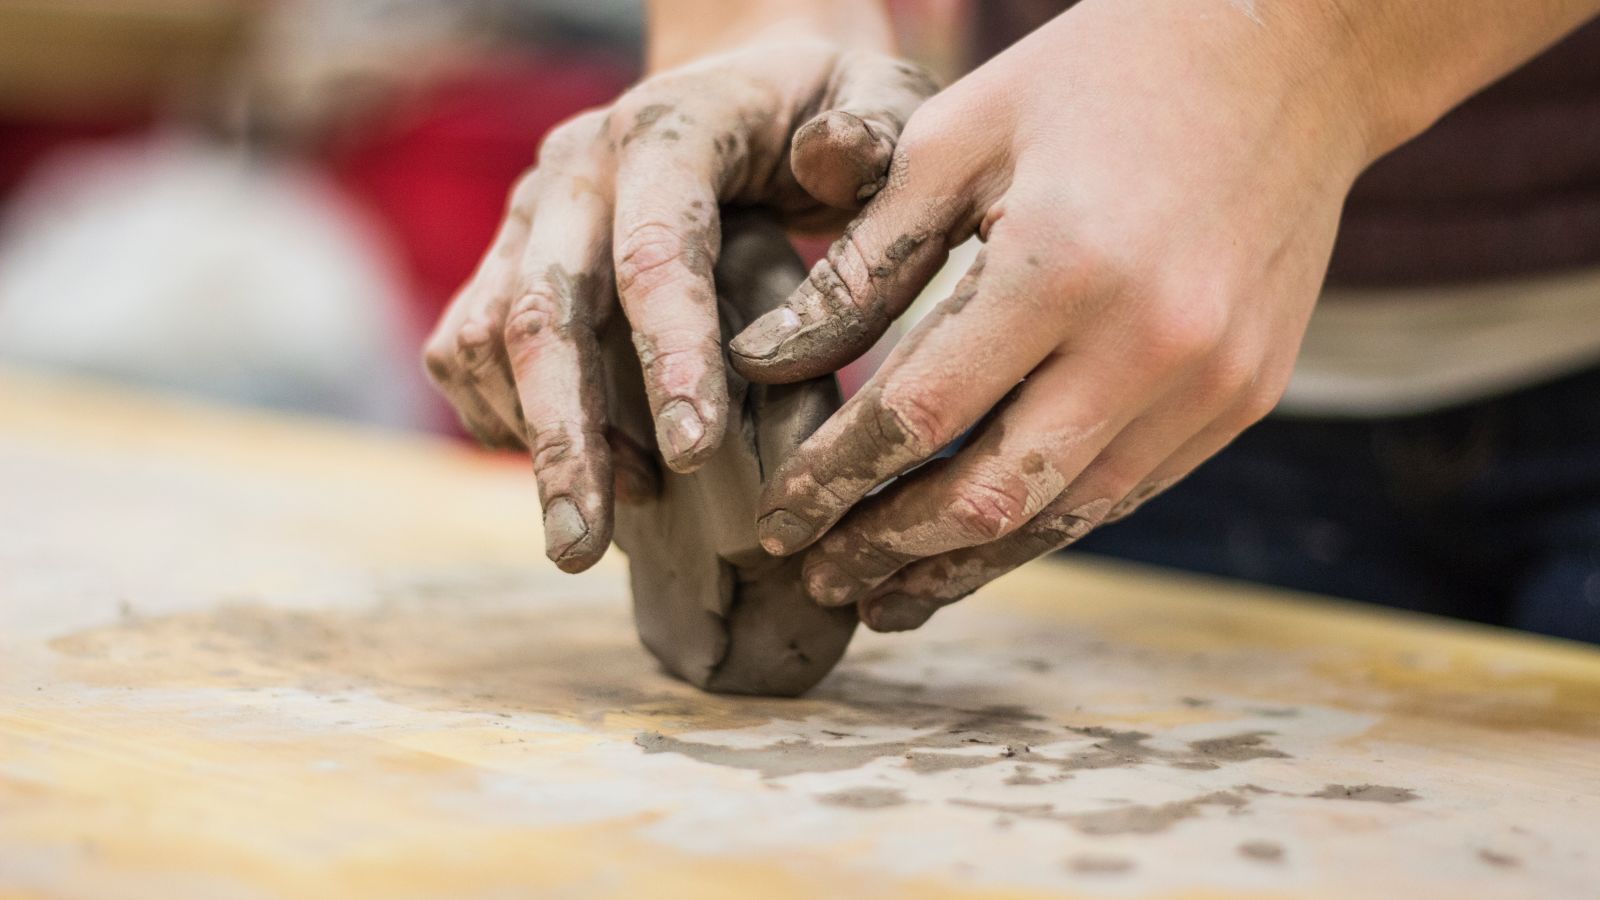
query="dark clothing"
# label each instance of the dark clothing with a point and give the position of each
(1507, 184)
(1489, 511)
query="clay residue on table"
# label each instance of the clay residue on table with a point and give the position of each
(1131, 818)
(864, 798)
(970, 740)
(1372, 793)
(1261, 851)
(1499, 860)
(1099, 864)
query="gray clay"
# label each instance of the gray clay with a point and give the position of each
(712, 606)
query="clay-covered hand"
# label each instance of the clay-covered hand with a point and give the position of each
(624, 202)
(1158, 187)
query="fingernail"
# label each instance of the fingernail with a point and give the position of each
(680, 428)
(828, 585)
(782, 532)
(563, 527)
(895, 612)
(767, 335)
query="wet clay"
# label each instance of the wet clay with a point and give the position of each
(708, 602)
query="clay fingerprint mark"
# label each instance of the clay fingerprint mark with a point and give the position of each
(1132, 818)
(864, 798)
(1370, 793)
(994, 736)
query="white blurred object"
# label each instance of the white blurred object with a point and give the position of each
(177, 264)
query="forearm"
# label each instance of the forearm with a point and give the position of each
(1416, 60)
(682, 30)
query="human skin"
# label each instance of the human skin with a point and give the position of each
(792, 107)
(1158, 187)
(1157, 183)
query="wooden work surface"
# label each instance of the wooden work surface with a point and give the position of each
(249, 657)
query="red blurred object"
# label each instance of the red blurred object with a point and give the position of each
(23, 143)
(438, 172)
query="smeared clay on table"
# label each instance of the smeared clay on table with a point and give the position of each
(713, 607)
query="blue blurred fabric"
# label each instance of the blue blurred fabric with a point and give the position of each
(1489, 511)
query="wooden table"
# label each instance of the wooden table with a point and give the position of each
(243, 656)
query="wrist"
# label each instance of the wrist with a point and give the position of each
(680, 31)
(1404, 65)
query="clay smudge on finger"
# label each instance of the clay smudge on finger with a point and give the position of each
(897, 612)
(857, 449)
(840, 158)
(915, 79)
(564, 527)
(688, 425)
(843, 306)
(906, 601)
(571, 458)
(868, 442)
(646, 120)
(1138, 498)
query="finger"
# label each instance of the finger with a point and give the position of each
(841, 156)
(1025, 456)
(1210, 441)
(484, 367)
(1131, 469)
(470, 374)
(666, 235)
(868, 278)
(551, 341)
(908, 599)
(921, 400)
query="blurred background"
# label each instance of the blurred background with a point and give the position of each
(269, 202)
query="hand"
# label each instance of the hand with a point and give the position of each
(1158, 187)
(632, 192)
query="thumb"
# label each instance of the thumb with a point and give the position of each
(841, 155)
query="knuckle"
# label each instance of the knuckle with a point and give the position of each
(1222, 381)
(909, 417)
(843, 275)
(872, 555)
(555, 444)
(524, 190)
(985, 510)
(539, 311)
(842, 299)
(551, 444)
(634, 101)
(474, 341)
(1181, 332)
(651, 256)
(439, 358)
(569, 139)
(676, 357)
(1260, 399)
